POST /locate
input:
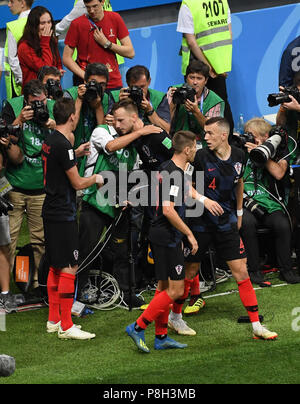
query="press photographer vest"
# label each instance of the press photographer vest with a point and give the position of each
(29, 174)
(16, 28)
(187, 121)
(108, 162)
(259, 194)
(155, 98)
(212, 34)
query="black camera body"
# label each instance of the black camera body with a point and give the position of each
(268, 150)
(93, 91)
(5, 206)
(253, 207)
(280, 98)
(244, 138)
(184, 93)
(6, 130)
(54, 89)
(136, 94)
(40, 112)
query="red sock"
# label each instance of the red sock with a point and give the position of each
(53, 297)
(178, 304)
(248, 298)
(66, 290)
(158, 305)
(195, 286)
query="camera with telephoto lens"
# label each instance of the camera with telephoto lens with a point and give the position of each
(280, 98)
(184, 93)
(54, 89)
(93, 91)
(277, 139)
(40, 112)
(244, 138)
(136, 94)
(6, 130)
(253, 207)
(5, 206)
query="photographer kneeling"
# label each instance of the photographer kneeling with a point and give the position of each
(264, 179)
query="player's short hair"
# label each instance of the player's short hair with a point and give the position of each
(128, 105)
(47, 71)
(260, 125)
(182, 139)
(222, 123)
(63, 109)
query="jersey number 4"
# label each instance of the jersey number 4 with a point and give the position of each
(212, 185)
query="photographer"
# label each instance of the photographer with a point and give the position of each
(153, 105)
(31, 112)
(266, 185)
(8, 151)
(92, 101)
(193, 106)
(110, 147)
(50, 76)
(289, 116)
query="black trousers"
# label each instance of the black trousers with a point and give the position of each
(279, 225)
(92, 223)
(218, 85)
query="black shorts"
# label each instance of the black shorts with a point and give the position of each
(168, 262)
(228, 245)
(61, 243)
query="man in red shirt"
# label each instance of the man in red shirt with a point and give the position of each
(95, 36)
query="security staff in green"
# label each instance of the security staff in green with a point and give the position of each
(14, 31)
(207, 36)
(200, 105)
(31, 112)
(152, 104)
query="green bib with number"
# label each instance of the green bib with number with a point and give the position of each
(29, 174)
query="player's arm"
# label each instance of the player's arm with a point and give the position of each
(213, 206)
(170, 213)
(70, 63)
(79, 183)
(239, 201)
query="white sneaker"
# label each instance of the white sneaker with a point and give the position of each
(51, 327)
(181, 327)
(74, 333)
(263, 333)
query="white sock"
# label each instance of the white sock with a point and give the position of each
(4, 292)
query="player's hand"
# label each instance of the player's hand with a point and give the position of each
(192, 106)
(99, 181)
(83, 150)
(213, 207)
(193, 243)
